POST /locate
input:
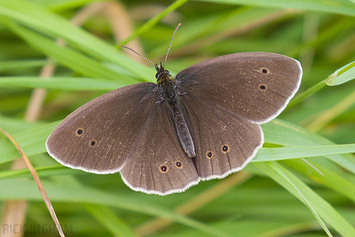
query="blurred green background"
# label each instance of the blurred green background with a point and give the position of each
(278, 194)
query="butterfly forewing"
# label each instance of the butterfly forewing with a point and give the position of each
(98, 136)
(255, 86)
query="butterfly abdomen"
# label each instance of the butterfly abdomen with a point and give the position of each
(182, 130)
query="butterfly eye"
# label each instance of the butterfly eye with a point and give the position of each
(92, 143)
(209, 154)
(262, 87)
(178, 164)
(79, 132)
(225, 148)
(264, 70)
(164, 169)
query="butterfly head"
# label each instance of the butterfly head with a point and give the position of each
(162, 75)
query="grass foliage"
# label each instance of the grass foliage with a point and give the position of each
(301, 183)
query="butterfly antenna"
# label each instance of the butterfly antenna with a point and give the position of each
(167, 53)
(155, 65)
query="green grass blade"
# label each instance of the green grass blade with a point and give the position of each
(288, 134)
(153, 21)
(64, 4)
(109, 219)
(342, 75)
(276, 167)
(320, 206)
(62, 83)
(285, 153)
(331, 177)
(333, 6)
(16, 64)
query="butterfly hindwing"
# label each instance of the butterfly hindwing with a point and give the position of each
(224, 143)
(159, 164)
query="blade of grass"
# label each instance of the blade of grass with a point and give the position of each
(285, 153)
(63, 83)
(332, 6)
(288, 134)
(310, 91)
(109, 219)
(43, 171)
(16, 64)
(38, 183)
(279, 170)
(153, 21)
(321, 207)
(342, 75)
(324, 118)
(64, 4)
(333, 179)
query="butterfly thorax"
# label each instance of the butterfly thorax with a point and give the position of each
(169, 92)
(167, 86)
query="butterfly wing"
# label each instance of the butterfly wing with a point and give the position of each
(256, 86)
(98, 136)
(160, 165)
(125, 130)
(225, 99)
(224, 143)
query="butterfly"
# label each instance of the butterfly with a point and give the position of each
(165, 137)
